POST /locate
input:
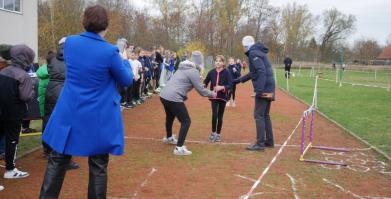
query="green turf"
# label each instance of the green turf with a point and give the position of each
(363, 110)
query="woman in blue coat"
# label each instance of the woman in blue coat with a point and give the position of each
(86, 120)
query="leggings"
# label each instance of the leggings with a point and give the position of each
(232, 92)
(218, 108)
(178, 110)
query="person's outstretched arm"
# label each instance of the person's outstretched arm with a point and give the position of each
(195, 80)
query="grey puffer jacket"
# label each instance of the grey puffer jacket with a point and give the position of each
(185, 78)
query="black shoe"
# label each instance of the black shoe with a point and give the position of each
(28, 130)
(269, 145)
(255, 147)
(73, 165)
(129, 106)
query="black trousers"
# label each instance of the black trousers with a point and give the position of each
(218, 108)
(26, 124)
(232, 92)
(178, 110)
(287, 71)
(136, 89)
(129, 94)
(146, 85)
(122, 92)
(10, 129)
(156, 75)
(55, 174)
(262, 122)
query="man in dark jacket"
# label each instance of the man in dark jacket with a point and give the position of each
(16, 89)
(261, 75)
(287, 62)
(56, 71)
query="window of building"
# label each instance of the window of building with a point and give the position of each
(11, 5)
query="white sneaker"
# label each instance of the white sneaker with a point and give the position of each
(228, 104)
(15, 173)
(181, 151)
(1, 188)
(170, 140)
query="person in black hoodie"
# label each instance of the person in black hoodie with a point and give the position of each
(56, 71)
(15, 91)
(234, 70)
(261, 75)
(288, 63)
(157, 69)
(220, 81)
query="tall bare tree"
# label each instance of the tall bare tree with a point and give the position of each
(336, 27)
(297, 26)
(365, 50)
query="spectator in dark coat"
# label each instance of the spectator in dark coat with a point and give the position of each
(287, 62)
(261, 75)
(56, 71)
(15, 91)
(157, 68)
(234, 70)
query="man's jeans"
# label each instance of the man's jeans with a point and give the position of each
(263, 122)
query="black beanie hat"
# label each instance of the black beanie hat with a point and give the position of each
(5, 51)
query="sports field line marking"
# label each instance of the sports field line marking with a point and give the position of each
(271, 163)
(233, 143)
(351, 193)
(262, 193)
(253, 180)
(135, 194)
(294, 189)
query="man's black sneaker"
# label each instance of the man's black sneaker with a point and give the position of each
(255, 147)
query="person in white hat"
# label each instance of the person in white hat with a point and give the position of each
(261, 75)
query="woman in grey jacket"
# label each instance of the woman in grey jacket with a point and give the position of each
(174, 94)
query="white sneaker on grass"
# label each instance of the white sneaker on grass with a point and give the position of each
(181, 151)
(15, 173)
(170, 140)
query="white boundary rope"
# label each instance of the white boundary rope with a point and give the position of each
(358, 84)
(249, 193)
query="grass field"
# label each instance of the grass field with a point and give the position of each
(363, 110)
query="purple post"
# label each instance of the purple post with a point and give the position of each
(331, 148)
(303, 135)
(311, 125)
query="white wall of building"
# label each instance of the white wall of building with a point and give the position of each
(20, 28)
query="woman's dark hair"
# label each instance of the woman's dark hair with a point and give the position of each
(95, 19)
(50, 56)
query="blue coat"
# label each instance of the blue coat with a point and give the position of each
(87, 119)
(261, 71)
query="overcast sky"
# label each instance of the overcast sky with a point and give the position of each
(373, 16)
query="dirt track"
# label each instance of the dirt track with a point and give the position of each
(149, 170)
